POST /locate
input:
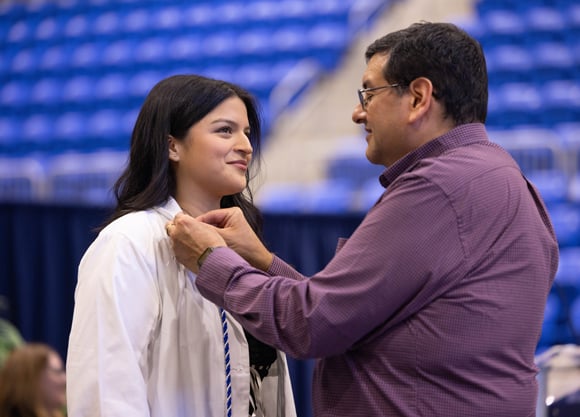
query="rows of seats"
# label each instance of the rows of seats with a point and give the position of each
(117, 20)
(533, 53)
(66, 64)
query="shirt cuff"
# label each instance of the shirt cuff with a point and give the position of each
(281, 268)
(216, 272)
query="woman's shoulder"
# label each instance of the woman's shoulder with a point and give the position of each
(137, 225)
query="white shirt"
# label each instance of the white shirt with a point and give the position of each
(144, 342)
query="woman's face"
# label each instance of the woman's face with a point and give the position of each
(53, 383)
(213, 159)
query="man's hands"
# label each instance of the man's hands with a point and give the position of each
(191, 238)
(216, 228)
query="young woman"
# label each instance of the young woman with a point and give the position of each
(32, 383)
(143, 341)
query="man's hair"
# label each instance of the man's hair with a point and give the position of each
(451, 59)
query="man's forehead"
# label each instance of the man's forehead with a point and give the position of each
(374, 70)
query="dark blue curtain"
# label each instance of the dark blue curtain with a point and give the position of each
(41, 247)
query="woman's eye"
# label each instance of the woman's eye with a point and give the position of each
(226, 129)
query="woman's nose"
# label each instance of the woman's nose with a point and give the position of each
(244, 145)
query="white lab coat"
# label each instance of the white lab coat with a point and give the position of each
(145, 343)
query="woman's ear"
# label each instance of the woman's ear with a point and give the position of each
(173, 145)
(421, 90)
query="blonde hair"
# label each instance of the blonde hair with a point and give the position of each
(20, 382)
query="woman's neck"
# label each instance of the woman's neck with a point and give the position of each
(195, 207)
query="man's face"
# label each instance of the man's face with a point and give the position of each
(384, 115)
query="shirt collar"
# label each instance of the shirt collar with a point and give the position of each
(461, 135)
(168, 209)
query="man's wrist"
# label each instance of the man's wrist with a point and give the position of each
(205, 254)
(265, 262)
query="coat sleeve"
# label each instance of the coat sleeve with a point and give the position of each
(116, 309)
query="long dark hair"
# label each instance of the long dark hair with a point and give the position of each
(172, 106)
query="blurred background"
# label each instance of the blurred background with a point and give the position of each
(74, 73)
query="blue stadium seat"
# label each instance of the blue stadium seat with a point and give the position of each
(47, 92)
(257, 78)
(520, 103)
(291, 42)
(255, 45)
(281, 198)
(566, 220)
(569, 267)
(220, 72)
(128, 120)
(22, 179)
(575, 315)
(327, 42)
(264, 14)
(119, 53)
(48, 29)
(329, 196)
(112, 88)
(106, 129)
(77, 27)
(25, 61)
(560, 101)
(9, 133)
(495, 118)
(501, 26)
(233, 15)
(552, 185)
(79, 90)
(551, 320)
(574, 189)
(22, 31)
(332, 11)
(186, 49)
(199, 18)
(14, 94)
(570, 139)
(141, 83)
(151, 50)
(534, 149)
(554, 60)
(369, 193)
(509, 63)
(544, 23)
(86, 55)
(55, 59)
(85, 178)
(38, 132)
(107, 24)
(71, 127)
(351, 168)
(137, 21)
(220, 47)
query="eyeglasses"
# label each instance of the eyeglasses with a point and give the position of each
(365, 99)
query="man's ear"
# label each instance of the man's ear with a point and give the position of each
(173, 146)
(421, 91)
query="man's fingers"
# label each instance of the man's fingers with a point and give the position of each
(216, 218)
